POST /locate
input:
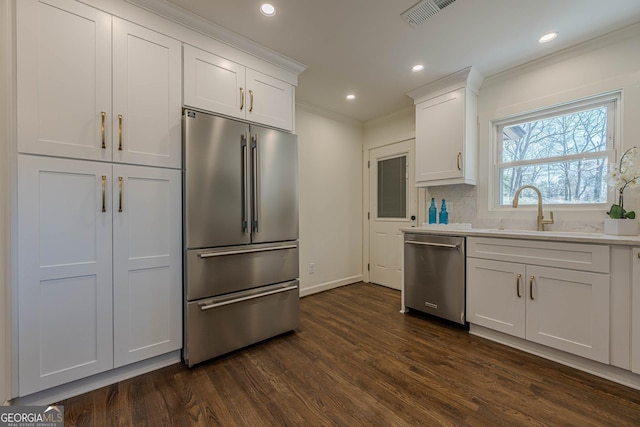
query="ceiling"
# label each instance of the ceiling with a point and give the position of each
(365, 47)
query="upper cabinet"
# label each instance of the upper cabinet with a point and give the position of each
(63, 79)
(446, 129)
(95, 87)
(147, 104)
(215, 84)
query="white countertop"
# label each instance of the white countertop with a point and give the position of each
(556, 236)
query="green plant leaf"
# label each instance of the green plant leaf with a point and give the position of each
(616, 212)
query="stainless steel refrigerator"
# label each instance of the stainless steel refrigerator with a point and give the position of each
(240, 234)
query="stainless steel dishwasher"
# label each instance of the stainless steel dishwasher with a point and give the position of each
(434, 275)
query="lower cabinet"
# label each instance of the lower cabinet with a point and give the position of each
(99, 276)
(635, 311)
(561, 308)
(147, 263)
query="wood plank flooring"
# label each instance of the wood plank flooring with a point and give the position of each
(357, 361)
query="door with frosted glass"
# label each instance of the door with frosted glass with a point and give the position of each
(392, 205)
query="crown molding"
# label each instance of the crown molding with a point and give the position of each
(194, 22)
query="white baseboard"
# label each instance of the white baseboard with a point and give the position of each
(75, 388)
(608, 372)
(329, 285)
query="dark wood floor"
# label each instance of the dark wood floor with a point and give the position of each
(356, 361)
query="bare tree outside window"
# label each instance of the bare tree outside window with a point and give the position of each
(564, 153)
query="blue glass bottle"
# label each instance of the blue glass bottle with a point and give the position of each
(432, 212)
(444, 215)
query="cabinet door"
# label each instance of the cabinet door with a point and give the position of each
(214, 84)
(64, 275)
(270, 101)
(440, 137)
(569, 310)
(635, 312)
(147, 107)
(147, 248)
(496, 295)
(63, 79)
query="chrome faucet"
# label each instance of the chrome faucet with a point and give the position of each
(541, 220)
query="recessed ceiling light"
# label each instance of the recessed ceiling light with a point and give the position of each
(547, 37)
(268, 9)
(417, 68)
(351, 97)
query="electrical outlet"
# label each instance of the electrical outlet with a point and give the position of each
(312, 267)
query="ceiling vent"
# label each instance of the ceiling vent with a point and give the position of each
(419, 12)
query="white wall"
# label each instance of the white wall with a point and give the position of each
(330, 187)
(5, 170)
(608, 64)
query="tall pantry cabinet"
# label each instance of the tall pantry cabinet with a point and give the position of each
(99, 193)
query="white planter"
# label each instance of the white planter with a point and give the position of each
(621, 227)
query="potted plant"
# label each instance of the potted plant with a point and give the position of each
(621, 176)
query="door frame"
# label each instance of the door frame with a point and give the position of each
(420, 200)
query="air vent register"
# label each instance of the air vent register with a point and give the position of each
(423, 10)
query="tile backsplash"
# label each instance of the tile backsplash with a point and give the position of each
(462, 205)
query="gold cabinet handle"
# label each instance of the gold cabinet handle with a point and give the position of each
(120, 194)
(531, 288)
(120, 132)
(104, 130)
(518, 278)
(638, 254)
(104, 193)
(241, 98)
(459, 161)
(251, 97)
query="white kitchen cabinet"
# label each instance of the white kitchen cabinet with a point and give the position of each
(635, 311)
(495, 295)
(65, 327)
(147, 104)
(63, 79)
(215, 84)
(69, 102)
(270, 100)
(147, 259)
(561, 308)
(446, 130)
(568, 310)
(100, 271)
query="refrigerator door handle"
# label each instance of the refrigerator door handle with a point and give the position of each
(245, 184)
(254, 162)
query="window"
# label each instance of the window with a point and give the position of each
(392, 187)
(563, 151)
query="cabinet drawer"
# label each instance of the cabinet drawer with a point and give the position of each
(575, 256)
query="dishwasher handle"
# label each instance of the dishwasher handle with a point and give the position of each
(439, 245)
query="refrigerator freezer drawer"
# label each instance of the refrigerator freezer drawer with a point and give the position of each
(216, 326)
(219, 271)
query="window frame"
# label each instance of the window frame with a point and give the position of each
(380, 160)
(611, 100)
